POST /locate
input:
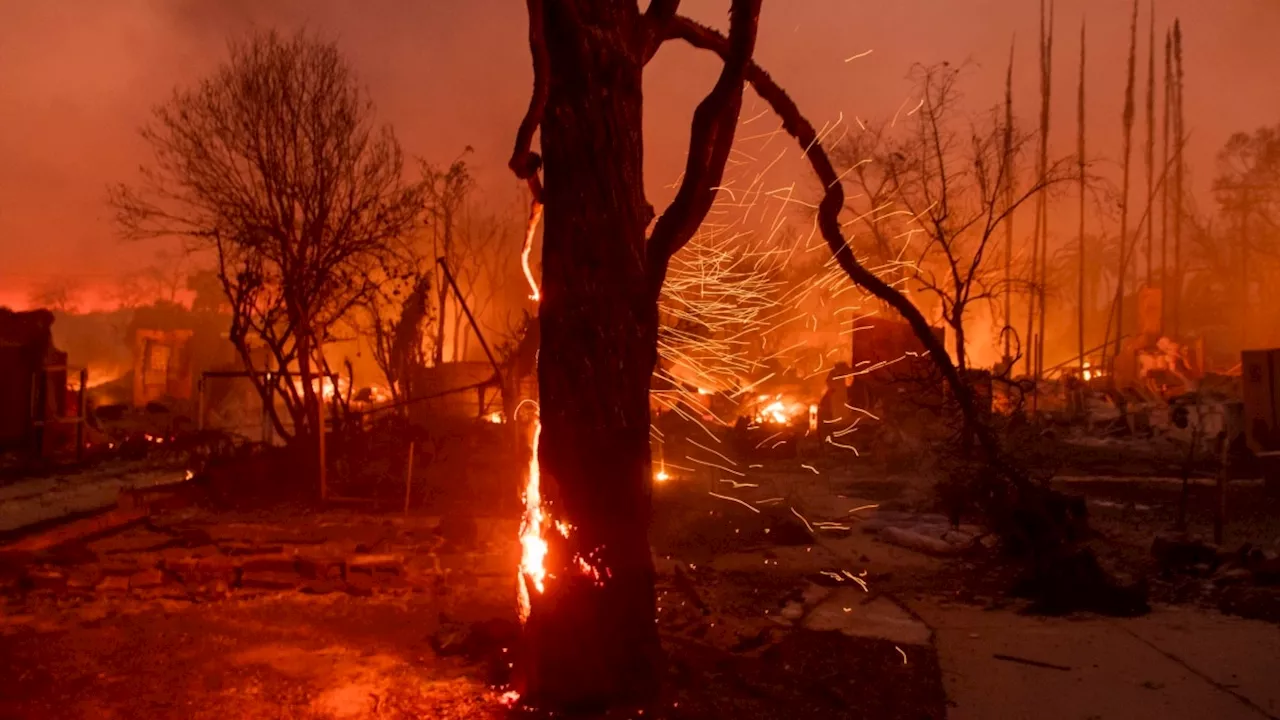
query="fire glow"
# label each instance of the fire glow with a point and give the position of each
(533, 544)
(776, 411)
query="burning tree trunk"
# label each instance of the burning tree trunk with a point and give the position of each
(587, 576)
(598, 320)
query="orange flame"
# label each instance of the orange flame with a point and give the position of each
(533, 545)
(777, 411)
(535, 215)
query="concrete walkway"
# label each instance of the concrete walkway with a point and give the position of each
(1174, 663)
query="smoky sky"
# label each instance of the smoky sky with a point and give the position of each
(78, 77)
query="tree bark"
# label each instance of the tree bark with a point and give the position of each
(591, 643)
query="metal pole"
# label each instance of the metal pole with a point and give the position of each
(470, 318)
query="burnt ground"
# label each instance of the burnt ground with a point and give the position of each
(213, 613)
(294, 613)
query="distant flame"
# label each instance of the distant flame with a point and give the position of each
(494, 417)
(325, 387)
(777, 411)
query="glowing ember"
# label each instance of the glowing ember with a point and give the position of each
(661, 476)
(1091, 372)
(494, 417)
(510, 698)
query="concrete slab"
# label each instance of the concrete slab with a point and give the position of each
(1242, 656)
(1107, 671)
(847, 611)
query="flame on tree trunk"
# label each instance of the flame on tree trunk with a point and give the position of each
(587, 576)
(598, 323)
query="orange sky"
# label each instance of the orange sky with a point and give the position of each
(77, 77)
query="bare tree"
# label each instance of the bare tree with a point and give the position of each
(275, 164)
(447, 190)
(161, 281)
(59, 294)
(934, 194)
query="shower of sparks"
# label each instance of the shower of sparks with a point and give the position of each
(753, 287)
(734, 499)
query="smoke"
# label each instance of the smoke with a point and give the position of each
(78, 77)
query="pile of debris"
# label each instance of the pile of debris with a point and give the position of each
(1188, 555)
(189, 555)
(928, 533)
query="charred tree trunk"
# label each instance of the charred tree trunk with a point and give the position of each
(590, 634)
(590, 643)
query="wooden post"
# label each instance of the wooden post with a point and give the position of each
(84, 380)
(1220, 511)
(408, 479)
(200, 403)
(324, 480)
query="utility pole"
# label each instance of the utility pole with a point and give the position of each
(1010, 180)
(1124, 196)
(1149, 155)
(1178, 169)
(1080, 153)
(1166, 286)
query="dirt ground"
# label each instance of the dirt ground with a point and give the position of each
(199, 613)
(777, 597)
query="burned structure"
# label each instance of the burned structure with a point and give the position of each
(33, 379)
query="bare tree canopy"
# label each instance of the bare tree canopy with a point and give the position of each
(275, 163)
(935, 189)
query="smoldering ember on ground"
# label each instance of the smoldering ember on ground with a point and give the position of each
(776, 401)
